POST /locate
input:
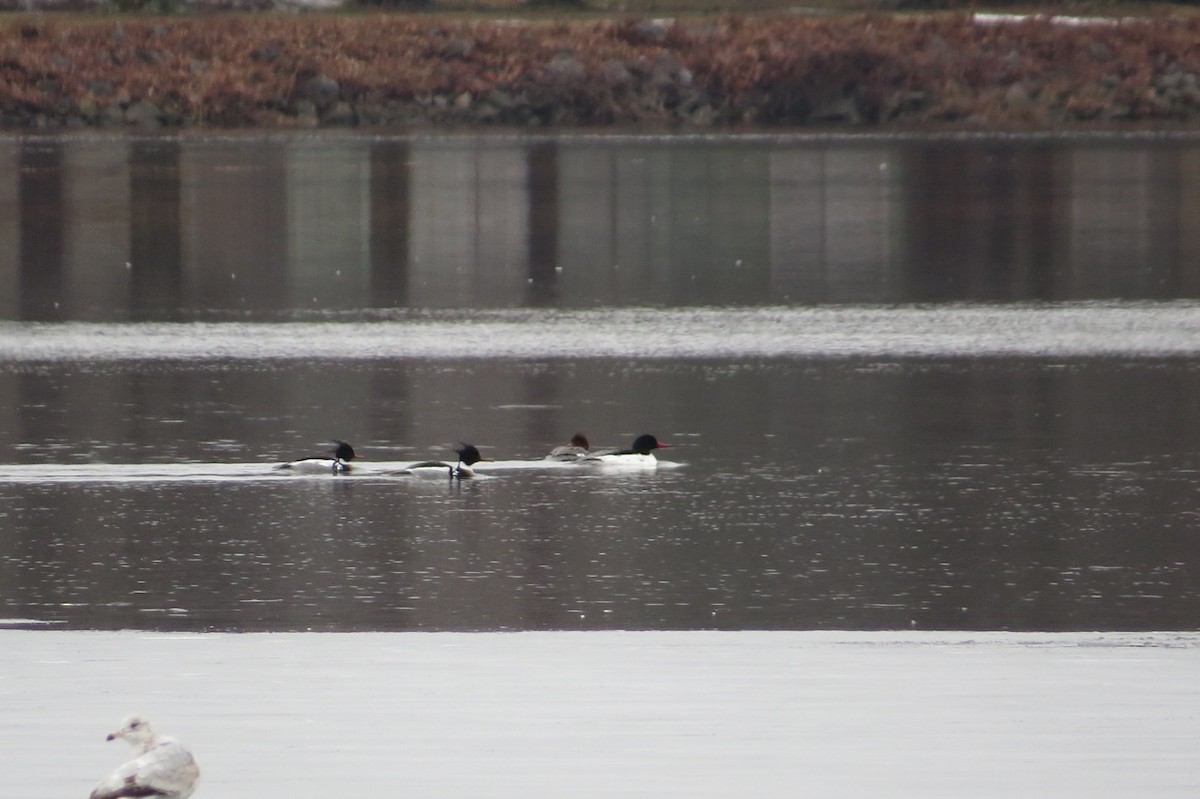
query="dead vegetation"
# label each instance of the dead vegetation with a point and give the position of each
(265, 70)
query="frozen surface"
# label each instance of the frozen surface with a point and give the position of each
(1061, 330)
(551, 715)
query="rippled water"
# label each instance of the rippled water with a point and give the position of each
(862, 494)
(874, 425)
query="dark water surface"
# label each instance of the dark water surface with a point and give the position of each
(888, 466)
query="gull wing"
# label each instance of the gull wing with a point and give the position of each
(166, 769)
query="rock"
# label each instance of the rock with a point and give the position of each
(88, 109)
(1100, 51)
(702, 116)
(616, 74)
(172, 118)
(667, 72)
(1018, 96)
(340, 114)
(564, 68)
(265, 54)
(904, 104)
(841, 109)
(1169, 82)
(459, 47)
(100, 88)
(306, 114)
(653, 29)
(111, 116)
(323, 91)
(484, 113)
(500, 99)
(144, 114)
(1190, 97)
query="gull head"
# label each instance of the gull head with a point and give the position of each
(136, 730)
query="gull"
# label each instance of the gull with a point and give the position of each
(161, 767)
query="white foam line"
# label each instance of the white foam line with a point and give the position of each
(1064, 330)
(1053, 19)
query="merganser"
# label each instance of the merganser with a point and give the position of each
(343, 453)
(576, 450)
(468, 456)
(638, 454)
(161, 767)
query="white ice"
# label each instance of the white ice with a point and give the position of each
(591, 715)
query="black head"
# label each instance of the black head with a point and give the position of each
(643, 444)
(343, 451)
(468, 454)
(580, 440)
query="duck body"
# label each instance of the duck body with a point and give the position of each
(468, 456)
(577, 450)
(640, 455)
(342, 454)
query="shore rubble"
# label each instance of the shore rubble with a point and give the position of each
(419, 71)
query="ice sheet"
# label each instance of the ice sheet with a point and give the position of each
(637, 714)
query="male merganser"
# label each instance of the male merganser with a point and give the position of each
(338, 464)
(638, 454)
(576, 450)
(468, 456)
(162, 766)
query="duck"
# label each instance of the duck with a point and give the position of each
(468, 456)
(342, 454)
(569, 453)
(640, 454)
(161, 767)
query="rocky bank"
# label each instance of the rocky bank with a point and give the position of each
(411, 71)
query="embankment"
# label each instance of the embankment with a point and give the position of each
(404, 71)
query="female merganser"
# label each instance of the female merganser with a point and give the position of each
(576, 450)
(639, 454)
(338, 464)
(468, 456)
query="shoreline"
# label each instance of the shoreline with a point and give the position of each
(766, 74)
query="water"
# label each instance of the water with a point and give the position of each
(277, 227)
(909, 384)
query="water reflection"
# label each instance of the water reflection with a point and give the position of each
(390, 225)
(41, 216)
(166, 229)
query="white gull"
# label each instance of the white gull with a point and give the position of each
(161, 767)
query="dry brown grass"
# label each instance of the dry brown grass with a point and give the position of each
(372, 68)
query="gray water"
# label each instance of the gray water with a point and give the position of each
(945, 384)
